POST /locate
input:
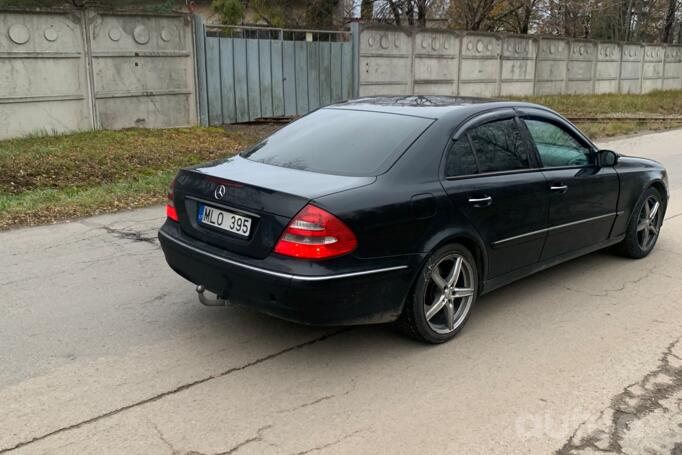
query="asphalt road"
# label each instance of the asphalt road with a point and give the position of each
(105, 350)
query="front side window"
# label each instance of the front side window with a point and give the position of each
(555, 146)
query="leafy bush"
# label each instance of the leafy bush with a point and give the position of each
(231, 11)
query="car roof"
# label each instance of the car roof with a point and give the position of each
(429, 106)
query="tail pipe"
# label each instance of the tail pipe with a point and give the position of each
(207, 301)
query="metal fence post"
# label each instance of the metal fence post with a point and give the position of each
(355, 39)
(202, 93)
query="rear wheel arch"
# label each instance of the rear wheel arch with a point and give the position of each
(475, 246)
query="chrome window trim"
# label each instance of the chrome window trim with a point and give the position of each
(493, 174)
(553, 228)
(280, 274)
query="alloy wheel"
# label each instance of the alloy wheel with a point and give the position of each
(449, 294)
(648, 223)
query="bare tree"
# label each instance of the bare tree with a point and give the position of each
(522, 13)
(622, 20)
(670, 15)
(472, 14)
(367, 10)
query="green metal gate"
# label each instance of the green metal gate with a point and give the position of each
(247, 73)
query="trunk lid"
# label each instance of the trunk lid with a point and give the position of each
(270, 196)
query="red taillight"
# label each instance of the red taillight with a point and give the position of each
(170, 205)
(171, 213)
(316, 234)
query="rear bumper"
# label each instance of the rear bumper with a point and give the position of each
(369, 294)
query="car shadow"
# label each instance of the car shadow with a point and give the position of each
(239, 325)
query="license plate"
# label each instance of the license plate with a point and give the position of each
(222, 219)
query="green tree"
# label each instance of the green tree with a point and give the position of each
(231, 11)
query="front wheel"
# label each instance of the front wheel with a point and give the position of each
(645, 225)
(443, 295)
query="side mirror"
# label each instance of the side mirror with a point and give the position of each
(607, 158)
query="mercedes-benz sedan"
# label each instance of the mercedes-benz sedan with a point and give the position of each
(404, 209)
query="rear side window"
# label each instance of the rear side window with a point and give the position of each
(499, 147)
(461, 159)
(340, 141)
(492, 147)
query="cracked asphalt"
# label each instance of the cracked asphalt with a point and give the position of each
(105, 350)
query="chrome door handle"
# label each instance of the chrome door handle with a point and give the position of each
(561, 188)
(481, 201)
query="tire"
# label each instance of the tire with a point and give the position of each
(644, 226)
(437, 309)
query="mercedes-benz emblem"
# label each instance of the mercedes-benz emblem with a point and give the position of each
(219, 192)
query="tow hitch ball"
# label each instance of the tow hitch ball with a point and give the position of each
(218, 301)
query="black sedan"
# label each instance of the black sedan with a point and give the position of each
(405, 209)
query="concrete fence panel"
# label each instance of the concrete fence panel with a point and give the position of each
(631, 68)
(652, 70)
(672, 79)
(580, 68)
(436, 62)
(480, 65)
(43, 79)
(143, 70)
(491, 64)
(607, 68)
(550, 76)
(517, 69)
(385, 62)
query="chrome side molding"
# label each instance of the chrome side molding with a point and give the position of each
(280, 274)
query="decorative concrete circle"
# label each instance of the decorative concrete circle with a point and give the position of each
(19, 34)
(141, 34)
(370, 41)
(383, 42)
(582, 50)
(489, 47)
(396, 42)
(115, 34)
(551, 49)
(50, 34)
(479, 46)
(425, 43)
(446, 44)
(435, 44)
(470, 45)
(167, 34)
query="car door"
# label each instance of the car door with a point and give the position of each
(492, 178)
(583, 195)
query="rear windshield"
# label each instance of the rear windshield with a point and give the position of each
(339, 141)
